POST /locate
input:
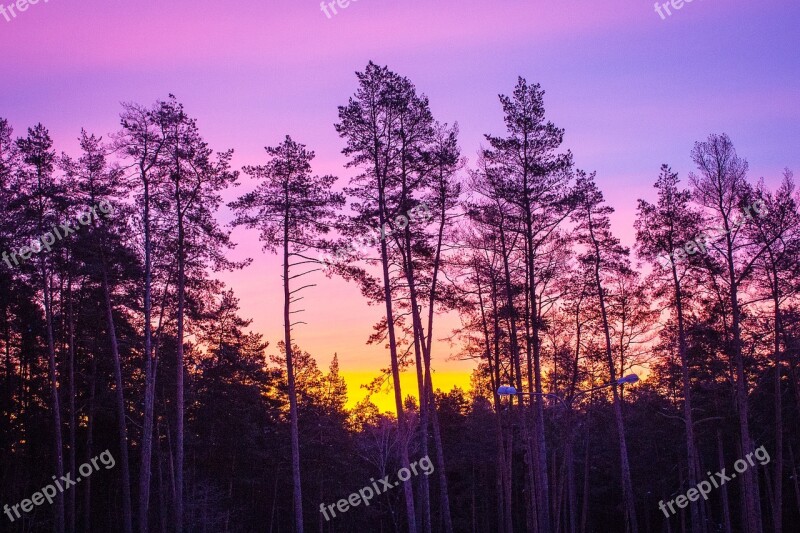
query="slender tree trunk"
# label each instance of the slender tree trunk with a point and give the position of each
(472, 498)
(406, 252)
(58, 442)
(274, 504)
(162, 493)
(170, 453)
(540, 446)
(293, 414)
(559, 489)
(795, 480)
(425, 407)
(726, 509)
(500, 480)
(631, 523)
(320, 520)
(515, 355)
(777, 508)
(499, 446)
(398, 397)
(122, 424)
(570, 445)
(87, 525)
(179, 367)
(750, 486)
(682, 512)
(423, 378)
(691, 442)
(586, 471)
(428, 410)
(505, 432)
(437, 434)
(439, 448)
(509, 475)
(72, 414)
(149, 372)
(569, 459)
(7, 344)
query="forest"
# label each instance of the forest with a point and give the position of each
(612, 383)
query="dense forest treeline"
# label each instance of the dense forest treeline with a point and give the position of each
(115, 334)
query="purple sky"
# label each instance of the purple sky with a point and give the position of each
(632, 90)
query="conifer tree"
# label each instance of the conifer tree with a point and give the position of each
(292, 209)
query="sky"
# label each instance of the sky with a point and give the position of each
(632, 90)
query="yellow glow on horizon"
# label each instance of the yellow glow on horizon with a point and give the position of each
(445, 381)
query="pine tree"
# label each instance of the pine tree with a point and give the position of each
(669, 225)
(291, 208)
(721, 189)
(42, 201)
(603, 253)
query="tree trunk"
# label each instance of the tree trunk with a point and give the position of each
(162, 493)
(533, 504)
(795, 480)
(293, 414)
(631, 523)
(693, 460)
(726, 510)
(437, 434)
(87, 502)
(398, 397)
(777, 508)
(540, 446)
(586, 470)
(149, 372)
(72, 413)
(58, 442)
(120, 397)
(504, 432)
(750, 483)
(500, 476)
(572, 497)
(428, 412)
(509, 478)
(426, 402)
(179, 369)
